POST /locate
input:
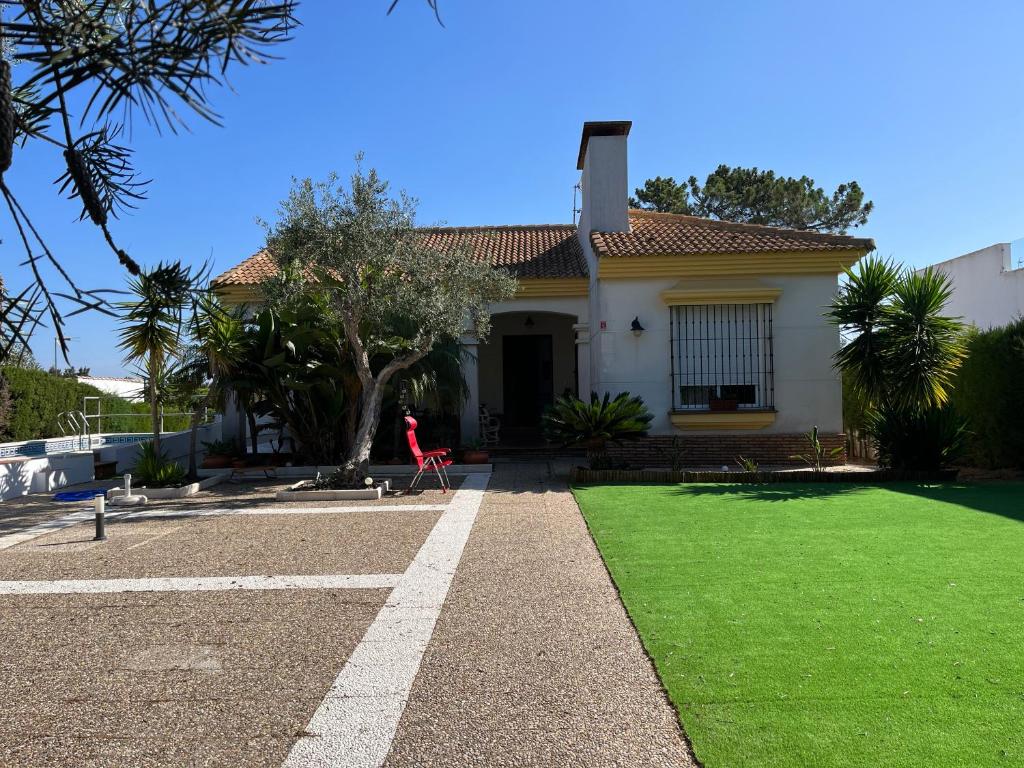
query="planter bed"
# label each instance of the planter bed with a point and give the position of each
(304, 491)
(168, 493)
(584, 475)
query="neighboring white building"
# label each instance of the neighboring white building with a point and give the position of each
(128, 388)
(988, 285)
(718, 326)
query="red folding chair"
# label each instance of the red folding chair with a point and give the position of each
(427, 460)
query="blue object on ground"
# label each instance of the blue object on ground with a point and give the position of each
(86, 495)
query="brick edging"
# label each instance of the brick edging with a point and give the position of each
(722, 449)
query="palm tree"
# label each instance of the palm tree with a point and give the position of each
(215, 353)
(152, 326)
(901, 356)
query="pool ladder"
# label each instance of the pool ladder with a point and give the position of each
(74, 424)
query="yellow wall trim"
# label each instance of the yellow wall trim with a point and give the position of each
(690, 292)
(729, 264)
(700, 420)
(567, 286)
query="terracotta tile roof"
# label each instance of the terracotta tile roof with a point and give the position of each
(665, 234)
(536, 251)
(252, 271)
(544, 250)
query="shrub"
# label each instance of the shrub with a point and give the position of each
(571, 421)
(155, 470)
(922, 440)
(37, 397)
(221, 447)
(987, 394)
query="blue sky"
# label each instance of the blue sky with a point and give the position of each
(920, 102)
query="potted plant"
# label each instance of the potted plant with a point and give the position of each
(475, 453)
(219, 454)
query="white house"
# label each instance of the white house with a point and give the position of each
(718, 326)
(988, 285)
(131, 389)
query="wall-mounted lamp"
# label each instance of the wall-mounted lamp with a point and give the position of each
(529, 321)
(635, 327)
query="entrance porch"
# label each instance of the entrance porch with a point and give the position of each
(530, 358)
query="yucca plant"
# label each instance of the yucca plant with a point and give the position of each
(816, 454)
(571, 421)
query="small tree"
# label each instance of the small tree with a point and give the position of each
(395, 296)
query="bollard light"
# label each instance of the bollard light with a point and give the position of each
(99, 504)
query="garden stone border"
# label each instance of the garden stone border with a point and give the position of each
(295, 492)
(584, 475)
(168, 493)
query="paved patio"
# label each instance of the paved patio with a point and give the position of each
(469, 628)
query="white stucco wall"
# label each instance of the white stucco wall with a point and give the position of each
(807, 389)
(605, 183)
(988, 286)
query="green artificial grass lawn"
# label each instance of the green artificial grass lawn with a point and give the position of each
(828, 625)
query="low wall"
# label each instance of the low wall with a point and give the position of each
(19, 477)
(701, 450)
(174, 446)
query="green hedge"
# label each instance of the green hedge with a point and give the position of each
(37, 397)
(989, 392)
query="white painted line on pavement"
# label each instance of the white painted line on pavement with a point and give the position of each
(356, 722)
(269, 510)
(200, 584)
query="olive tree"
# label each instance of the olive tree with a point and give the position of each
(395, 295)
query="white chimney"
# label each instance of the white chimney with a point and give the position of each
(605, 181)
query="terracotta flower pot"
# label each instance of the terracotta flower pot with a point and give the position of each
(474, 456)
(216, 461)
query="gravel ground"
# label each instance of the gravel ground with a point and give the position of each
(534, 661)
(243, 545)
(213, 679)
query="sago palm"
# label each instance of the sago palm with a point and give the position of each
(571, 421)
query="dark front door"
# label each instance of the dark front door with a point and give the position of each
(528, 380)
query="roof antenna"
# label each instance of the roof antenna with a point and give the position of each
(577, 187)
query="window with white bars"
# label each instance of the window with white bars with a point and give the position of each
(722, 357)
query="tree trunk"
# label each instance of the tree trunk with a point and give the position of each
(193, 438)
(254, 434)
(154, 409)
(355, 467)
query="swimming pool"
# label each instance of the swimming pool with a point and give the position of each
(59, 445)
